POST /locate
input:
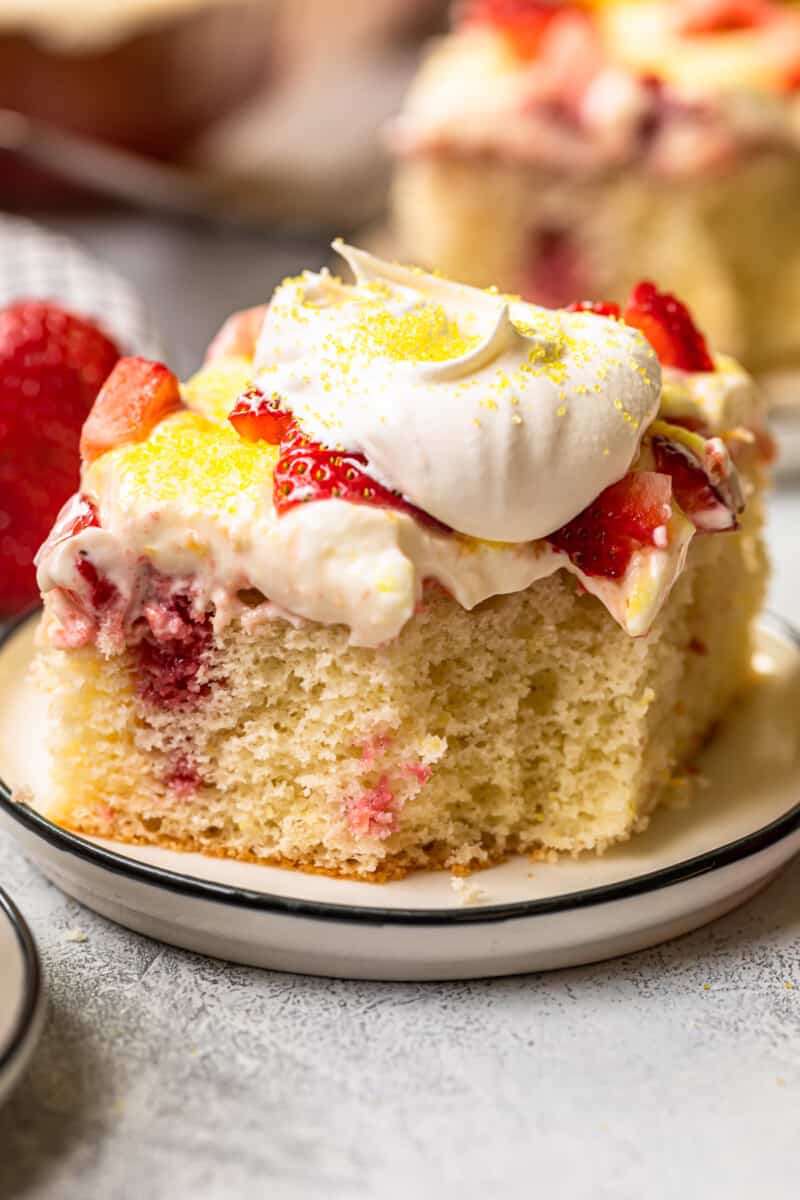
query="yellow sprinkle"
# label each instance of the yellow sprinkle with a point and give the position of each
(562, 411)
(424, 334)
(193, 463)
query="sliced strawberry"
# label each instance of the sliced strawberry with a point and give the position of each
(668, 327)
(704, 501)
(259, 418)
(523, 22)
(623, 519)
(78, 513)
(602, 308)
(238, 336)
(308, 471)
(135, 397)
(723, 16)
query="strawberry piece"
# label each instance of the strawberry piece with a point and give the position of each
(723, 16)
(135, 397)
(523, 22)
(704, 503)
(85, 518)
(52, 363)
(238, 336)
(78, 513)
(603, 308)
(259, 418)
(791, 80)
(307, 470)
(668, 327)
(624, 518)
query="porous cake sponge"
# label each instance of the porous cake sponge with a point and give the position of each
(532, 723)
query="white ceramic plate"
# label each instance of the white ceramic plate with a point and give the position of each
(693, 864)
(21, 1008)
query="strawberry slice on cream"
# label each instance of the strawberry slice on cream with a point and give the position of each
(135, 397)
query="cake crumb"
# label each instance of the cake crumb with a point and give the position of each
(76, 935)
(24, 795)
(467, 893)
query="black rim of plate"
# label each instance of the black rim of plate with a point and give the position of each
(32, 982)
(201, 889)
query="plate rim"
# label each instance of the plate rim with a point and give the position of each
(32, 983)
(193, 887)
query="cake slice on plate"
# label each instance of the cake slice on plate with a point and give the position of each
(409, 575)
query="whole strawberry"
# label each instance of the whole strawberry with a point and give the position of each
(52, 364)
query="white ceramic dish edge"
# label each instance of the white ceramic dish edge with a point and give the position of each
(16, 1052)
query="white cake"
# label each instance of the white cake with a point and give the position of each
(486, 626)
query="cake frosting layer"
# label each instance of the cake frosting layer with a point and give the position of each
(333, 562)
(540, 441)
(501, 419)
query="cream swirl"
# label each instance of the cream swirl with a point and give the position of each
(499, 418)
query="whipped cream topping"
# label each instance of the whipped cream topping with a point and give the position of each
(501, 419)
(415, 362)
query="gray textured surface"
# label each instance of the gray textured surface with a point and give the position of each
(672, 1073)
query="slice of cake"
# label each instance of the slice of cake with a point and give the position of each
(409, 575)
(566, 149)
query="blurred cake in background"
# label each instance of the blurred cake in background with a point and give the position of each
(145, 74)
(275, 105)
(560, 149)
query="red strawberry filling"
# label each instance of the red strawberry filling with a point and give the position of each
(101, 590)
(626, 517)
(183, 777)
(373, 813)
(523, 22)
(171, 666)
(668, 327)
(602, 308)
(306, 470)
